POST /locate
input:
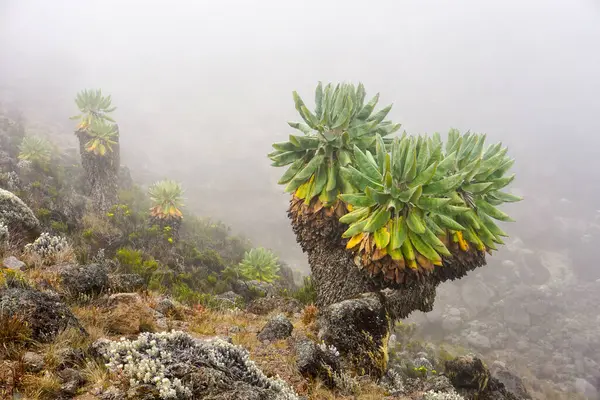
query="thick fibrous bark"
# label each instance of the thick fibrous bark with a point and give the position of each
(102, 174)
(337, 278)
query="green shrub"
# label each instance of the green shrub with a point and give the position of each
(307, 294)
(133, 262)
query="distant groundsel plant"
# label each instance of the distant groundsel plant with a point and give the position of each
(167, 199)
(94, 107)
(259, 264)
(36, 150)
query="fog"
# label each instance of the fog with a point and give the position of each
(203, 88)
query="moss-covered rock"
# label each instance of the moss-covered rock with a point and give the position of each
(359, 329)
(18, 217)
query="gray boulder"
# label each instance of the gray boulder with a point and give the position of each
(18, 217)
(44, 312)
(359, 329)
(277, 328)
(88, 280)
(125, 283)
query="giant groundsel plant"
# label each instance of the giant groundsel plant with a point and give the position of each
(406, 205)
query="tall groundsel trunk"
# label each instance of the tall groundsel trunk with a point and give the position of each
(102, 174)
(336, 276)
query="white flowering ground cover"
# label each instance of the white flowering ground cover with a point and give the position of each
(154, 358)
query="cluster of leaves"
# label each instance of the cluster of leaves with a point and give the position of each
(416, 200)
(95, 122)
(167, 199)
(340, 122)
(410, 200)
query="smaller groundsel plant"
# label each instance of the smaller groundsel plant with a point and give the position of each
(167, 199)
(259, 264)
(153, 359)
(35, 150)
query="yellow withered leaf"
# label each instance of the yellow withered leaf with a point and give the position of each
(354, 240)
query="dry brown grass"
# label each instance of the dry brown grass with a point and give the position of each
(44, 386)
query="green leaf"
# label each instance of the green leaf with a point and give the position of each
(301, 127)
(492, 211)
(355, 228)
(366, 111)
(505, 197)
(285, 158)
(285, 146)
(356, 215)
(291, 171)
(425, 177)
(416, 195)
(381, 114)
(357, 200)
(445, 185)
(331, 175)
(447, 222)
(319, 101)
(399, 232)
(422, 247)
(310, 168)
(305, 142)
(477, 188)
(405, 195)
(432, 240)
(432, 203)
(415, 221)
(367, 166)
(378, 219)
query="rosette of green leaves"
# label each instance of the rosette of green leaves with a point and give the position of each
(486, 175)
(340, 121)
(410, 198)
(94, 107)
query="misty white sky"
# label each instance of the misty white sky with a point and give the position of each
(203, 88)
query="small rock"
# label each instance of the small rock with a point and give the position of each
(71, 381)
(278, 327)
(33, 362)
(13, 263)
(112, 393)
